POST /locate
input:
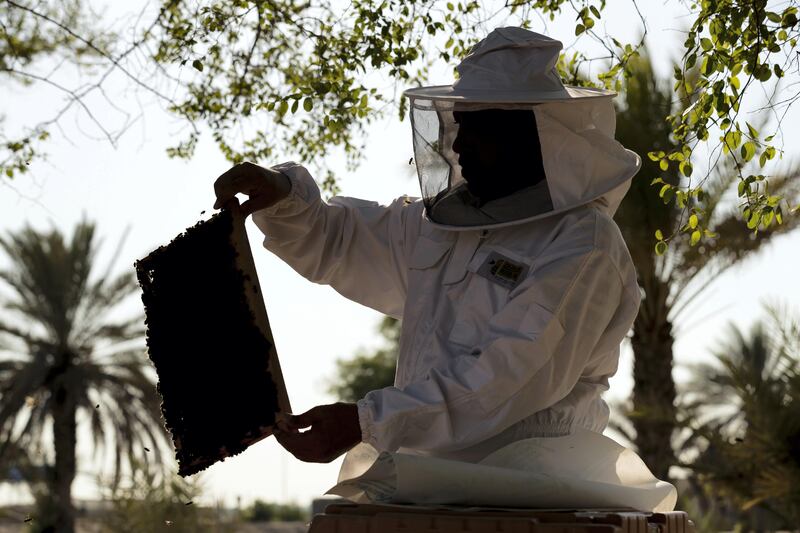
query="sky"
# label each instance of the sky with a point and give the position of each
(135, 187)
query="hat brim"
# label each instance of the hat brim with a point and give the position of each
(453, 94)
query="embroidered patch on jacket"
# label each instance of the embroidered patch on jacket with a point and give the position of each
(506, 272)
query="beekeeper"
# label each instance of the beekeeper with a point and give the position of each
(513, 283)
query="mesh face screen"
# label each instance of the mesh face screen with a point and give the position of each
(469, 155)
(432, 142)
(212, 359)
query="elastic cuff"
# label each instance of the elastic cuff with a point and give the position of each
(289, 203)
(300, 195)
(365, 421)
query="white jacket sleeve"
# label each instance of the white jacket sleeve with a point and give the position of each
(535, 351)
(353, 245)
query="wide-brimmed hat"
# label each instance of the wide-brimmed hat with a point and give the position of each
(511, 65)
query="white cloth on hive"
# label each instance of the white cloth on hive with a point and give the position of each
(584, 470)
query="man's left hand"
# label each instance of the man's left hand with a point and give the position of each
(333, 429)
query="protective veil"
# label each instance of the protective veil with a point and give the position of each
(515, 288)
(567, 157)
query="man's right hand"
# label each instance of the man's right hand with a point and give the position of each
(263, 186)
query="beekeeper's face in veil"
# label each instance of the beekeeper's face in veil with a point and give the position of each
(497, 151)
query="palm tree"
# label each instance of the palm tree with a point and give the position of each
(745, 409)
(67, 360)
(672, 281)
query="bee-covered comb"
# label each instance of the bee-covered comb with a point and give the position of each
(209, 338)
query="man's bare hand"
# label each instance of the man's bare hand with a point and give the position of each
(334, 429)
(263, 186)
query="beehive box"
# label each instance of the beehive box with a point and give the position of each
(209, 338)
(352, 518)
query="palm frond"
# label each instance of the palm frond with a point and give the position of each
(107, 293)
(31, 340)
(129, 408)
(751, 455)
(27, 379)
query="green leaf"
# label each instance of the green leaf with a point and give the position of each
(664, 164)
(762, 73)
(197, 64)
(743, 188)
(655, 156)
(753, 132)
(686, 168)
(680, 197)
(664, 190)
(580, 28)
(708, 65)
(695, 237)
(748, 151)
(773, 17)
(308, 104)
(693, 221)
(661, 248)
(754, 220)
(731, 140)
(659, 235)
(706, 44)
(704, 66)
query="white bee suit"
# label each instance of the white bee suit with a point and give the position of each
(477, 360)
(512, 319)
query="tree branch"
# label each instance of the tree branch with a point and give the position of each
(75, 97)
(114, 61)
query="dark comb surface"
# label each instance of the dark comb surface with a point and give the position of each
(212, 359)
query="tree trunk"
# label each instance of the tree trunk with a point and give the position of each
(64, 441)
(653, 414)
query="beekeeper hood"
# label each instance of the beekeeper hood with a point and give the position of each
(508, 142)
